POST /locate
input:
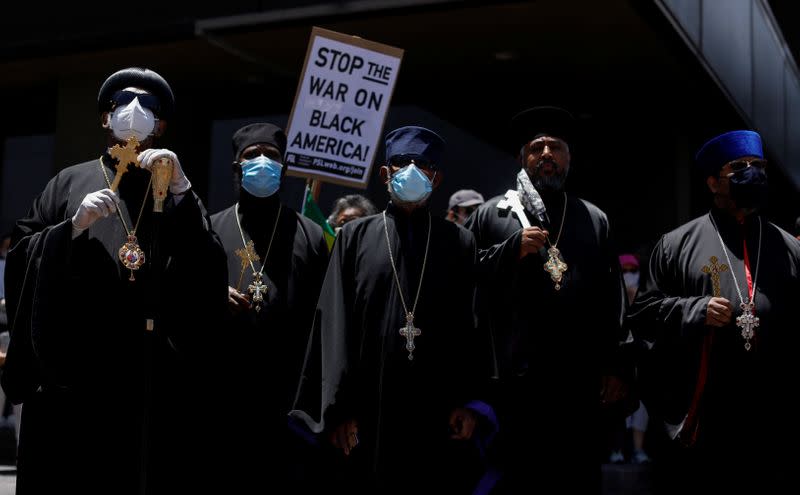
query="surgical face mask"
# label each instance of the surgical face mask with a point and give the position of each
(749, 188)
(631, 279)
(132, 120)
(410, 185)
(261, 176)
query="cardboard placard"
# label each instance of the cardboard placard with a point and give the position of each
(341, 104)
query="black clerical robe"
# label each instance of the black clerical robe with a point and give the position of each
(743, 409)
(552, 345)
(108, 406)
(267, 346)
(360, 358)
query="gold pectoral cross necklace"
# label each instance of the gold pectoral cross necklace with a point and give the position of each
(257, 289)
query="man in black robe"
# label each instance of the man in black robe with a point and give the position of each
(395, 347)
(552, 297)
(107, 358)
(721, 373)
(268, 325)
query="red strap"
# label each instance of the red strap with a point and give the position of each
(691, 425)
(747, 272)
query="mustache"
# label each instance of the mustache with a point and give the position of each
(544, 161)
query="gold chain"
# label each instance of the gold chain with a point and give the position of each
(119, 212)
(269, 246)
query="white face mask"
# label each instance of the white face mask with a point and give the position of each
(132, 120)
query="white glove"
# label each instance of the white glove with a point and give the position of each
(179, 183)
(94, 206)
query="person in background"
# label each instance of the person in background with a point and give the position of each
(637, 422)
(461, 205)
(348, 208)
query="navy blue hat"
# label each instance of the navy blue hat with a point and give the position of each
(728, 147)
(136, 77)
(414, 141)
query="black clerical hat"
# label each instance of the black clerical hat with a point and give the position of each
(136, 77)
(258, 133)
(542, 121)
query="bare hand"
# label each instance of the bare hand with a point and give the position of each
(237, 301)
(612, 389)
(719, 312)
(345, 436)
(533, 239)
(462, 423)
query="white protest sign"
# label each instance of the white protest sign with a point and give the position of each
(340, 106)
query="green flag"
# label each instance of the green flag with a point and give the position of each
(312, 211)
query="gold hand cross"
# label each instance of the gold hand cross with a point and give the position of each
(124, 155)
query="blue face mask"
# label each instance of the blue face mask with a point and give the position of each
(410, 185)
(261, 176)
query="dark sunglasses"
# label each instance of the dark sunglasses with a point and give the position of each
(123, 97)
(401, 161)
(739, 165)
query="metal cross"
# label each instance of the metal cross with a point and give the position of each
(409, 332)
(747, 322)
(714, 269)
(257, 289)
(124, 156)
(555, 266)
(246, 254)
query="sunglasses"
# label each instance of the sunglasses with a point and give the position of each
(405, 160)
(123, 97)
(739, 165)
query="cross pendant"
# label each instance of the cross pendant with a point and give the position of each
(747, 322)
(409, 332)
(257, 289)
(555, 266)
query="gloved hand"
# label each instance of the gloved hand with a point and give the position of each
(179, 183)
(94, 206)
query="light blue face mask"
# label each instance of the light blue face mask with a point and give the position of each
(410, 185)
(261, 176)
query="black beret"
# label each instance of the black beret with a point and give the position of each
(136, 77)
(258, 133)
(542, 121)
